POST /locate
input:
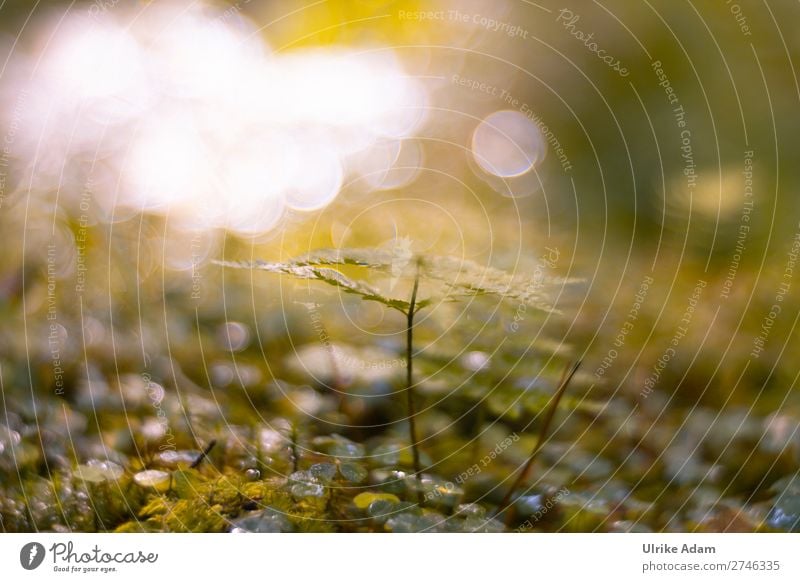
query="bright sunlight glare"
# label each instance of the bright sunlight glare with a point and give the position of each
(198, 119)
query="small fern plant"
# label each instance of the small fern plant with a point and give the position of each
(445, 279)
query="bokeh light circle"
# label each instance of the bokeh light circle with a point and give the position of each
(507, 144)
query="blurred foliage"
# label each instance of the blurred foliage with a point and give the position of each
(304, 445)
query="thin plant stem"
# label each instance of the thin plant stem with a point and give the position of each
(202, 456)
(540, 440)
(410, 396)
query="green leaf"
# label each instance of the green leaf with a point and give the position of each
(465, 278)
(300, 270)
(457, 278)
